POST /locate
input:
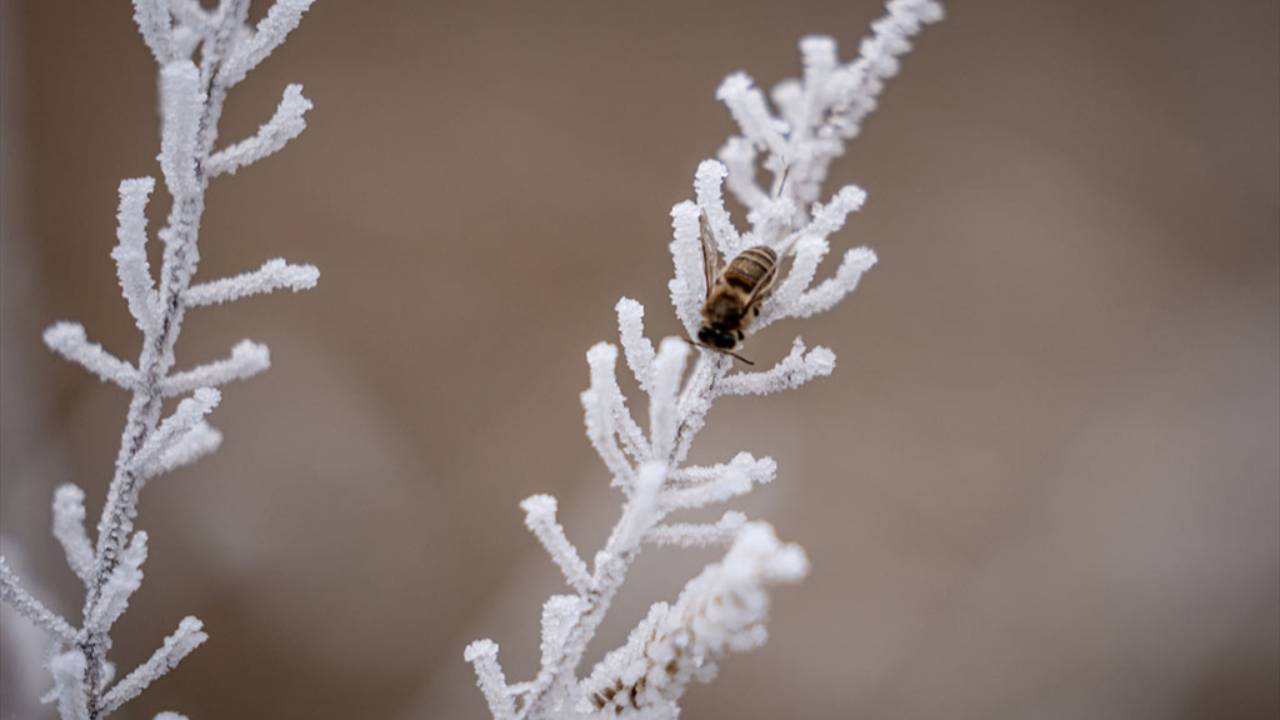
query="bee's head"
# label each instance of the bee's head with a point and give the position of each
(717, 338)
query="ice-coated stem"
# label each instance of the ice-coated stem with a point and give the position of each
(191, 101)
(725, 608)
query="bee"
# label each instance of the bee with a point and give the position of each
(734, 292)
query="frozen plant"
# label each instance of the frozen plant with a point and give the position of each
(191, 100)
(725, 607)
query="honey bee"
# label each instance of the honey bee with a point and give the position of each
(734, 293)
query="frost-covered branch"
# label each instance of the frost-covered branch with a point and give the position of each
(189, 414)
(723, 609)
(273, 275)
(483, 655)
(156, 26)
(125, 579)
(202, 439)
(721, 532)
(68, 528)
(796, 369)
(19, 599)
(130, 254)
(540, 517)
(68, 340)
(189, 636)
(256, 45)
(287, 124)
(247, 359)
(191, 101)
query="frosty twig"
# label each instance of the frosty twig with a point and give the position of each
(191, 105)
(725, 607)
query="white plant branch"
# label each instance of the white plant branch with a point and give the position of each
(130, 254)
(796, 369)
(247, 359)
(202, 439)
(270, 33)
(191, 101)
(19, 599)
(68, 340)
(189, 636)
(724, 609)
(721, 483)
(637, 348)
(155, 24)
(721, 532)
(182, 104)
(287, 123)
(124, 580)
(721, 610)
(273, 275)
(540, 518)
(68, 528)
(483, 655)
(190, 412)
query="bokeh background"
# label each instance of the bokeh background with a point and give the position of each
(1044, 481)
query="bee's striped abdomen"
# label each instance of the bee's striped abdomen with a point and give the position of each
(750, 267)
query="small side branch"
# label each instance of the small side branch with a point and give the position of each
(271, 31)
(286, 124)
(188, 415)
(189, 635)
(247, 359)
(604, 411)
(796, 369)
(668, 369)
(824, 297)
(739, 157)
(708, 183)
(273, 275)
(688, 535)
(68, 528)
(123, 582)
(695, 487)
(689, 286)
(559, 614)
(68, 340)
(747, 105)
(130, 253)
(636, 347)
(540, 518)
(32, 609)
(182, 102)
(156, 25)
(483, 655)
(202, 439)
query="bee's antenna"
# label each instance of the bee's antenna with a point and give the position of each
(782, 184)
(705, 346)
(785, 246)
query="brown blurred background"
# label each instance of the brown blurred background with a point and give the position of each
(1044, 481)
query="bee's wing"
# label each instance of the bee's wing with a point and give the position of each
(710, 255)
(764, 287)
